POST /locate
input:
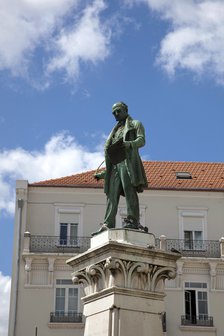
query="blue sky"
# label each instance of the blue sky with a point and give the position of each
(63, 63)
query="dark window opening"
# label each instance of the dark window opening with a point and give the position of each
(63, 233)
(190, 306)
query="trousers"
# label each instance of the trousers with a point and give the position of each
(120, 184)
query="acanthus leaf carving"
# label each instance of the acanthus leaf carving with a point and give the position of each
(82, 278)
(160, 275)
(139, 275)
(97, 275)
(117, 275)
(123, 273)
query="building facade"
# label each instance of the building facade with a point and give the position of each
(54, 219)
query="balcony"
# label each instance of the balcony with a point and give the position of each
(54, 244)
(61, 317)
(192, 248)
(187, 248)
(201, 321)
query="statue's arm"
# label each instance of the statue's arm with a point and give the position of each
(140, 136)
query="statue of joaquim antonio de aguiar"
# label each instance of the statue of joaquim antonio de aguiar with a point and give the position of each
(124, 173)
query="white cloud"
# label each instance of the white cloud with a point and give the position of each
(61, 156)
(5, 286)
(196, 39)
(24, 24)
(45, 25)
(86, 41)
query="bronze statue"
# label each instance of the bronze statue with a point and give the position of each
(124, 174)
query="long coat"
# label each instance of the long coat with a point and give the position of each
(134, 134)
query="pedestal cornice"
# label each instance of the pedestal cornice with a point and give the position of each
(121, 264)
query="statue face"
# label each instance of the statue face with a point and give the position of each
(120, 114)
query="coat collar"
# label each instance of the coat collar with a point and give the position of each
(127, 127)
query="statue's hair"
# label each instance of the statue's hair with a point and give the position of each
(120, 103)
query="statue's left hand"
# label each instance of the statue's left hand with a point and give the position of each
(126, 144)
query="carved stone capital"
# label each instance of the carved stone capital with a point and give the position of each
(123, 273)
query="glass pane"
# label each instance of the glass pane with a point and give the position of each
(202, 305)
(198, 235)
(198, 243)
(200, 295)
(64, 282)
(188, 240)
(63, 233)
(73, 300)
(73, 233)
(60, 300)
(196, 285)
(188, 235)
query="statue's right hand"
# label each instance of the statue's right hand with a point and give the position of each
(99, 176)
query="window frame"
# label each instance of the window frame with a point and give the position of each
(66, 303)
(68, 240)
(76, 209)
(197, 289)
(194, 212)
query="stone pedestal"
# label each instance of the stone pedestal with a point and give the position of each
(123, 278)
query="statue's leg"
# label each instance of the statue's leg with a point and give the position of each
(113, 196)
(131, 195)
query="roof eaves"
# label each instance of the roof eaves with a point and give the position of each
(66, 185)
(94, 186)
(187, 189)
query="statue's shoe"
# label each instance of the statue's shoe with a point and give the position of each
(104, 227)
(131, 226)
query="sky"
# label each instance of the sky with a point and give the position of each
(64, 63)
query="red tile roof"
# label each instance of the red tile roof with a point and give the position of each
(160, 174)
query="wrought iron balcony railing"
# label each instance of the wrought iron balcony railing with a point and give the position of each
(56, 244)
(188, 248)
(193, 248)
(62, 317)
(201, 320)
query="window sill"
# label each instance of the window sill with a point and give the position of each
(69, 325)
(197, 328)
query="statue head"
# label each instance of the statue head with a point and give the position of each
(120, 111)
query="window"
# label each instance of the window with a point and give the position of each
(66, 300)
(196, 302)
(68, 225)
(193, 240)
(69, 234)
(192, 227)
